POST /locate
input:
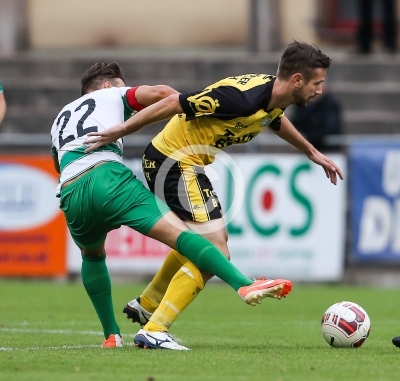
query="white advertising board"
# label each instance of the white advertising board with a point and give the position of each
(284, 219)
(291, 222)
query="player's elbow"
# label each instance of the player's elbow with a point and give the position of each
(163, 91)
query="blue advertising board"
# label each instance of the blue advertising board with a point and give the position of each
(374, 177)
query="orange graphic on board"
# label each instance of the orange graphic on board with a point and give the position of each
(33, 234)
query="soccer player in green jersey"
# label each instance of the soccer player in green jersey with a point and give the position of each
(231, 111)
(98, 194)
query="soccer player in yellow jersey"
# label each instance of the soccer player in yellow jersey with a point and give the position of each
(231, 111)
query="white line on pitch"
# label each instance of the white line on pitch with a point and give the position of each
(5, 349)
(55, 331)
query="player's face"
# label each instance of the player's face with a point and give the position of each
(309, 90)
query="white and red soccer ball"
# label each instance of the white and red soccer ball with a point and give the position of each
(345, 325)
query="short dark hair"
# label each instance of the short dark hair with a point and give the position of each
(299, 57)
(95, 75)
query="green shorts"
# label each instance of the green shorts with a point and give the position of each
(105, 198)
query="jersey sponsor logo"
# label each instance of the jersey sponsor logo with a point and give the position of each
(203, 104)
(266, 122)
(240, 125)
(244, 79)
(148, 163)
(230, 138)
(209, 193)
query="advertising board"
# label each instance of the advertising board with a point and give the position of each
(284, 219)
(375, 201)
(33, 232)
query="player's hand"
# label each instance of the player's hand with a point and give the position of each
(330, 168)
(99, 139)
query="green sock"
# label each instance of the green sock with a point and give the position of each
(207, 257)
(97, 283)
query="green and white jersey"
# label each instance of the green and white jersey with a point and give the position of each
(92, 112)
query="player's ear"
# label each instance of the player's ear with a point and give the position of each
(107, 84)
(297, 79)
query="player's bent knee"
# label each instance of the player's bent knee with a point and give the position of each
(93, 253)
(167, 229)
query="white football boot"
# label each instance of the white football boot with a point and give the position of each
(157, 340)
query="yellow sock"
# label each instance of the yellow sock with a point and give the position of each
(182, 290)
(154, 292)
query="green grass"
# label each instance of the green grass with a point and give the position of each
(49, 331)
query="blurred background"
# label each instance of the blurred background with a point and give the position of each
(349, 233)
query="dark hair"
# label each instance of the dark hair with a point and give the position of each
(299, 57)
(95, 75)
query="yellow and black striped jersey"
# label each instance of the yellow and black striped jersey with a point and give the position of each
(231, 111)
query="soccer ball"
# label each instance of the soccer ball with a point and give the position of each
(345, 325)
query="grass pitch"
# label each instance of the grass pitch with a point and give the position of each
(49, 331)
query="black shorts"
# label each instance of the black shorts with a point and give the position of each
(185, 188)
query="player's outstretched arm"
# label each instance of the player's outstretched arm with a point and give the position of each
(161, 110)
(289, 133)
(147, 95)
